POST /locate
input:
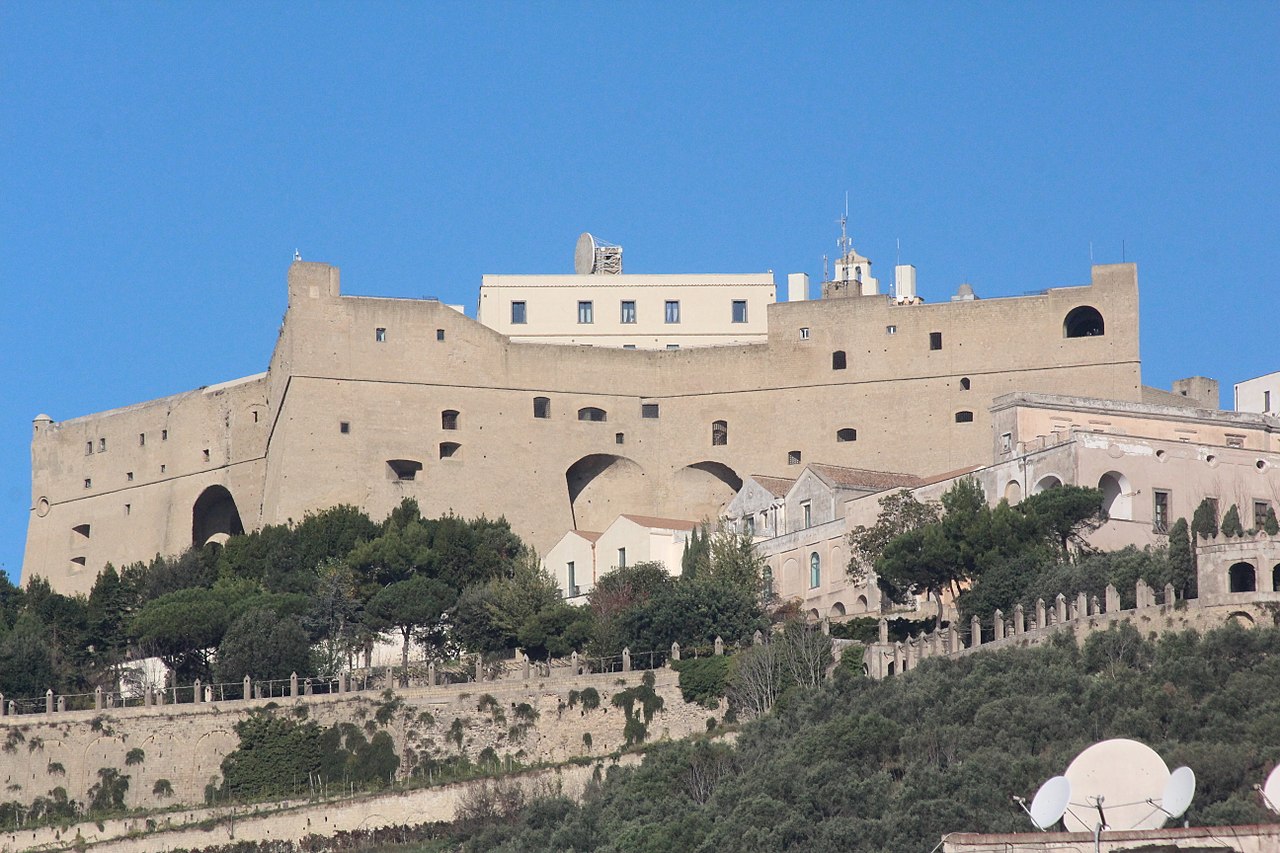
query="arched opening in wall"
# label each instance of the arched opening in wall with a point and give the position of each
(601, 486)
(847, 434)
(836, 610)
(838, 360)
(1047, 482)
(814, 615)
(591, 413)
(719, 433)
(1013, 492)
(704, 489)
(1117, 500)
(1083, 322)
(815, 570)
(1241, 577)
(214, 512)
(450, 450)
(449, 419)
(1244, 620)
(80, 533)
(965, 384)
(863, 604)
(790, 579)
(1275, 580)
(403, 469)
(891, 668)
(964, 417)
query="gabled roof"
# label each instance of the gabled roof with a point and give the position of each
(776, 486)
(951, 475)
(862, 478)
(589, 535)
(660, 523)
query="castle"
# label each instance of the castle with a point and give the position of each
(367, 401)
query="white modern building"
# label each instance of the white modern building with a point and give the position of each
(1260, 395)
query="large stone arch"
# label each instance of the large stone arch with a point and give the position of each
(1242, 577)
(214, 517)
(601, 486)
(1049, 481)
(1117, 496)
(703, 489)
(1083, 322)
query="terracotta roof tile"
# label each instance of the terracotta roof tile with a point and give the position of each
(861, 478)
(776, 486)
(661, 523)
(589, 535)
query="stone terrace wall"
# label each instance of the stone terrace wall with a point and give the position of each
(186, 743)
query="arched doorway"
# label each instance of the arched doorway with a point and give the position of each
(1013, 492)
(603, 485)
(837, 610)
(1117, 501)
(1048, 482)
(704, 489)
(214, 517)
(1241, 577)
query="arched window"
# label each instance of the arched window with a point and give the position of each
(449, 419)
(719, 433)
(965, 384)
(1083, 322)
(767, 581)
(591, 413)
(838, 360)
(847, 434)
(815, 570)
(1242, 578)
(964, 417)
(403, 469)
(449, 449)
(542, 407)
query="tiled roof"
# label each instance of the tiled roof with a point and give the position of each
(661, 523)
(589, 535)
(861, 478)
(950, 475)
(776, 486)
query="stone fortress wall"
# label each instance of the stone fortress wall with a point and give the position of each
(358, 391)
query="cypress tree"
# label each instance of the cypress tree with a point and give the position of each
(1204, 523)
(1231, 525)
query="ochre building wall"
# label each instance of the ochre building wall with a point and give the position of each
(332, 366)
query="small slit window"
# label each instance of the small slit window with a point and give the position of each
(88, 482)
(619, 438)
(648, 410)
(102, 445)
(964, 417)
(450, 449)
(838, 360)
(380, 335)
(344, 427)
(206, 454)
(847, 434)
(935, 340)
(804, 333)
(793, 457)
(128, 476)
(591, 413)
(1083, 322)
(164, 435)
(965, 384)
(719, 433)
(439, 334)
(88, 448)
(542, 407)
(403, 469)
(142, 436)
(449, 419)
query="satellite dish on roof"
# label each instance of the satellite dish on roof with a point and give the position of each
(1120, 779)
(1271, 790)
(1178, 792)
(1050, 802)
(584, 255)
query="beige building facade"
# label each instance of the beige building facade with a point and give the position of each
(581, 558)
(368, 400)
(1260, 394)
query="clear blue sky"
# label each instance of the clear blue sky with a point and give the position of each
(159, 164)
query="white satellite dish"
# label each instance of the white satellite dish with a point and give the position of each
(1116, 782)
(584, 255)
(1271, 790)
(1050, 802)
(1178, 792)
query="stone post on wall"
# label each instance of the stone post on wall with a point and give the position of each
(1141, 594)
(897, 658)
(1060, 609)
(97, 698)
(1112, 598)
(257, 690)
(1040, 623)
(1094, 607)
(149, 696)
(4, 708)
(293, 685)
(208, 693)
(936, 637)
(480, 666)
(13, 707)
(1082, 604)
(1169, 597)
(306, 687)
(757, 639)
(573, 665)
(248, 688)
(975, 632)
(719, 645)
(431, 673)
(62, 704)
(675, 651)
(997, 624)
(826, 625)
(626, 659)
(195, 692)
(525, 665)
(953, 638)
(884, 630)
(1019, 620)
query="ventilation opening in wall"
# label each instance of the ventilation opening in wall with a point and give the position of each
(450, 450)
(78, 563)
(965, 384)
(648, 410)
(935, 340)
(81, 531)
(344, 427)
(847, 434)
(403, 469)
(719, 433)
(964, 417)
(793, 457)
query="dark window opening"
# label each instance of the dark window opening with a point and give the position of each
(439, 334)
(964, 417)
(255, 415)
(542, 407)
(128, 476)
(519, 313)
(719, 433)
(739, 310)
(1243, 578)
(591, 413)
(449, 449)
(142, 436)
(648, 410)
(88, 482)
(449, 419)
(965, 384)
(344, 427)
(164, 435)
(838, 360)
(1160, 511)
(793, 457)
(206, 454)
(618, 438)
(81, 530)
(403, 469)
(380, 335)
(935, 340)
(847, 434)
(628, 312)
(1083, 322)
(88, 448)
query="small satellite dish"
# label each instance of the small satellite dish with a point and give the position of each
(1271, 790)
(1050, 802)
(1118, 780)
(584, 255)
(1178, 792)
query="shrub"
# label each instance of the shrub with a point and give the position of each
(703, 680)
(134, 756)
(162, 788)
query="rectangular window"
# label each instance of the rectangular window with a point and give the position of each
(739, 310)
(619, 438)
(1261, 509)
(622, 558)
(542, 407)
(1006, 442)
(439, 334)
(1236, 441)
(88, 483)
(164, 435)
(648, 410)
(935, 340)
(793, 457)
(128, 508)
(891, 330)
(344, 427)
(519, 314)
(749, 525)
(807, 509)
(628, 346)
(128, 476)
(672, 311)
(1266, 401)
(88, 448)
(206, 454)
(673, 346)
(1160, 511)
(804, 333)
(628, 311)
(142, 436)
(572, 586)
(586, 313)
(102, 445)
(255, 416)
(162, 468)
(380, 335)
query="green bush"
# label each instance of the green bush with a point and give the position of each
(703, 680)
